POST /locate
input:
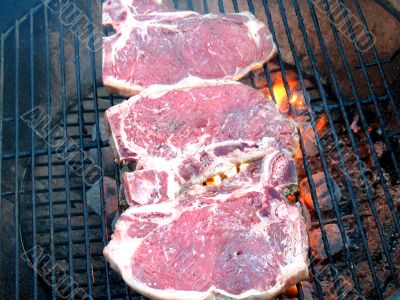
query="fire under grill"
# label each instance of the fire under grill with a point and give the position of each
(57, 212)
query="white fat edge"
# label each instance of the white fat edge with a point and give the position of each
(299, 241)
(267, 142)
(163, 207)
(153, 293)
(292, 274)
(266, 165)
(251, 154)
(173, 187)
(127, 88)
(119, 252)
(174, 14)
(240, 73)
(258, 187)
(156, 21)
(118, 43)
(158, 90)
(227, 143)
(193, 148)
(254, 27)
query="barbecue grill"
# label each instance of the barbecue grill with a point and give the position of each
(52, 146)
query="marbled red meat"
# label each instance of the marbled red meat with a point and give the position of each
(240, 240)
(181, 239)
(180, 135)
(154, 46)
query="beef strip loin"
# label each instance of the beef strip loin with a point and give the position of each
(153, 45)
(180, 135)
(240, 240)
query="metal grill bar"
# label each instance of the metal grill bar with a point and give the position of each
(98, 139)
(347, 179)
(49, 166)
(305, 161)
(88, 259)
(40, 191)
(251, 8)
(81, 144)
(16, 165)
(235, 5)
(372, 90)
(205, 5)
(313, 271)
(362, 117)
(395, 102)
(330, 186)
(66, 167)
(351, 136)
(1, 117)
(221, 6)
(33, 157)
(1, 123)
(190, 4)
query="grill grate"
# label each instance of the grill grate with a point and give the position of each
(55, 241)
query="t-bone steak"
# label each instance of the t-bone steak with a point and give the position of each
(180, 135)
(240, 240)
(153, 46)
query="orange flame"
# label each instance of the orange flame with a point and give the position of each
(281, 98)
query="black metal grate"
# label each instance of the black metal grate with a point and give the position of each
(45, 67)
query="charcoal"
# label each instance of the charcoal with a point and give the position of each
(110, 198)
(324, 198)
(317, 245)
(107, 158)
(102, 128)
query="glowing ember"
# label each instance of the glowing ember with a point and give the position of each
(322, 123)
(292, 292)
(216, 180)
(308, 135)
(281, 97)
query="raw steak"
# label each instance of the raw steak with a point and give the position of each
(118, 12)
(239, 240)
(180, 135)
(152, 46)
